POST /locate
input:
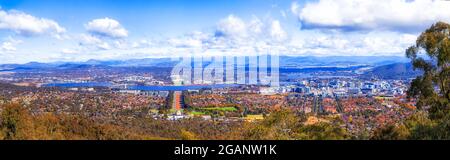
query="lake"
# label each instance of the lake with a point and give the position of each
(139, 87)
(77, 84)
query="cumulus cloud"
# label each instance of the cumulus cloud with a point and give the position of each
(105, 34)
(400, 15)
(88, 39)
(93, 42)
(89, 44)
(9, 45)
(106, 27)
(235, 28)
(235, 36)
(104, 46)
(231, 35)
(256, 26)
(354, 44)
(234, 33)
(277, 32)
(231, 26)
(28, 25)
(194, 39)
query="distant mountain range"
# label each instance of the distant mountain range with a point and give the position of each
(386, 67)
(285, 62)
(340, 61)
(148, 62)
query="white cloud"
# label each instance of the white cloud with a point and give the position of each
(141, 43)
(400, 15)
(92, 42)
(295, 8)
(69, 51)
(106, 27)
(233, 35)
(256, 26)
(276, 32)
(104, 46)
(10, 45)
(283, 13)
(192, 40)
(231, 26)
(122, 44)
(88, 39)
(233, 32)
(354, 44)
(28, 25)
(185, 43)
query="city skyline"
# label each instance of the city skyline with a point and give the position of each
(50, 31)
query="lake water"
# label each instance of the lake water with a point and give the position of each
(86, 84)
(177, 88)
(142, 88)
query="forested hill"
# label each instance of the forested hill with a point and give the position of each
(394, 71)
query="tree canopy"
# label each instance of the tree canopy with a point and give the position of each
(431, 54)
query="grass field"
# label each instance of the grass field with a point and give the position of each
(254, 117)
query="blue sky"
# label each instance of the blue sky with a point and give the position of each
(79, 30)
(144, 16)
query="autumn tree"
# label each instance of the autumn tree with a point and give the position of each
(16, 122)
(187, 135)
(391, 132)
(278, 125)
(286, 125)
(322, 131)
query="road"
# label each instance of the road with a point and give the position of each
(176, 104)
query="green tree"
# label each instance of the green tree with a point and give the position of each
(432, 89)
